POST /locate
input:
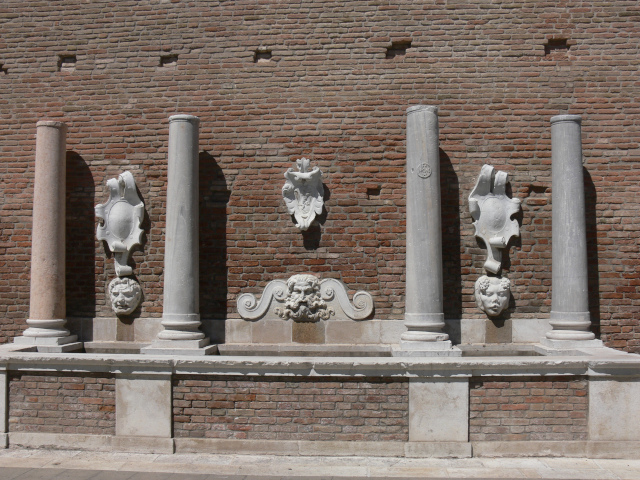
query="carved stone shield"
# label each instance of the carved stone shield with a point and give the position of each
(303, 193)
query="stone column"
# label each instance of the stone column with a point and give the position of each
(570, 291)
(181, 311)
(424, 317)
(47, 304)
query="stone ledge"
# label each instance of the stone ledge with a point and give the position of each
(606, 362)
(574, 449)
(100, 443)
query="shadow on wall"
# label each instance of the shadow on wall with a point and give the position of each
(80, 245)
(214, 196)
(590, 200)
(452, 278)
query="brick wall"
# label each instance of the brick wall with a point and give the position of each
(291, 409)
(62, 403)
(528, 409)
(330, 93)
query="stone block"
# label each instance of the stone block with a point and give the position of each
(438, 410)
(146, 329)
(143, 405)
(391, 331)
(344, 448)
(498, 330)
(234, 447)
(72, 441)
(614, 409)
(237, 330)
(616, 449)
(143, 445)
(438, 449)
(350, 331)
(530, 449)
(106, 329)
(529, 330)
(271, 331)
(308, 332)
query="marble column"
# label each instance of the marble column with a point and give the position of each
(424, 317)
(181, 305)
(570, 290)
(47, 304)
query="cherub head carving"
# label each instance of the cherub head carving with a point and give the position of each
(125, 294)
(492, 294)
(304, 301)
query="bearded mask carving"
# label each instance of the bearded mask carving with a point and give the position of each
(304, 301)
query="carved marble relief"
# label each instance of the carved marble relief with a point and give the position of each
(305, 298)
(119, 226)
(303, 193)
(492, 210)
(492, 294)
(125, 294)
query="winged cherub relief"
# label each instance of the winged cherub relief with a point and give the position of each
(303, 193)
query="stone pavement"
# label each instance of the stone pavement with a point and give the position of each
(25, 464)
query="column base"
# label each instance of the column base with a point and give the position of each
(571, 344)
(180, 347)
(51, 344)
(426, 349)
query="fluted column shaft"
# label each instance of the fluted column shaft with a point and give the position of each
(424, 317)
(570, 290)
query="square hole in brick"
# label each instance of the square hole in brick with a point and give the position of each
(3, 71)
(169, 61)
(398, 49)
(373, 193)
(261, 56)
(556, 45)
(67, 63)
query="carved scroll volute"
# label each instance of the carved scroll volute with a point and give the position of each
(120, 227)
(303, 193)
(492, 210)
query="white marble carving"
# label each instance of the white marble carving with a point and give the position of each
(125, 294)
(492, 210)
(492, 294)
(120, 219)
(303, 193)
(305, 298)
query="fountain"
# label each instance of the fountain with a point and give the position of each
(307, 368)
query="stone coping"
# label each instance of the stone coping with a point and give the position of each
(593, 362)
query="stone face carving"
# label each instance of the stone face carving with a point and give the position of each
(492, 294)
(305, 298)
(303, 193)
(492, 210)
(120, 222)
(303, 301)
(125, 294)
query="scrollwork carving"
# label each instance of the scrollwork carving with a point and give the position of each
(305, 298)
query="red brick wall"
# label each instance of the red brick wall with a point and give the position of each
(291, 409)
(528, 409)
(62, 403)
(328, 93)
